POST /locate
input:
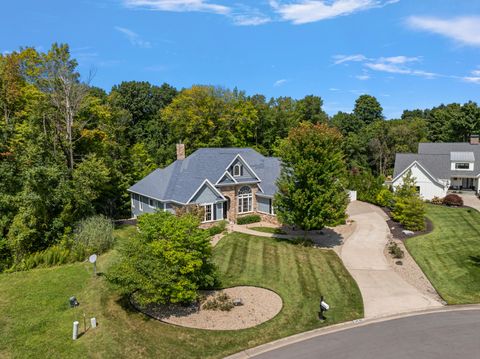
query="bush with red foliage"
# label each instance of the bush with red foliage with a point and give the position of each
(453, 200)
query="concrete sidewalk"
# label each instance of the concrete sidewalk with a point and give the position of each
(384, 292)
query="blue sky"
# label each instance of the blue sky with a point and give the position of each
(408, 53)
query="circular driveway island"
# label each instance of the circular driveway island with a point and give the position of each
(445, 335)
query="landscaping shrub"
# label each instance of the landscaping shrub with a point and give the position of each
(55, 255)
(218, 228)
(453, 200)
(366, 184)
(93, 235)
(385, 198)
(436, 200)
(252, 218)
(395, 251)
(409, 208)
(167, 261)
(221, 302)
(410, 212)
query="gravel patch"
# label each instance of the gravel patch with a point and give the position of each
(259, 305)
(410, 271)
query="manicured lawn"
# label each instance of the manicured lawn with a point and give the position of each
(268, 230)
(450, 255)
(35, 317)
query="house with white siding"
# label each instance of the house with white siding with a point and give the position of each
(227, 182)
(438, 167)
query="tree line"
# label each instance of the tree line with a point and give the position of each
(70, 150)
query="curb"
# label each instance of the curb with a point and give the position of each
(263, 348)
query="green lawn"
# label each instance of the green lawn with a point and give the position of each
(35, 317)
(268, 230)
(450, 255)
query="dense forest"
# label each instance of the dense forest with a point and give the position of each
(69, 150)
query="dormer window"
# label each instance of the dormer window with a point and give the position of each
(237, 170)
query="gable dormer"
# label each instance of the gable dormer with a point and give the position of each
(240, 171)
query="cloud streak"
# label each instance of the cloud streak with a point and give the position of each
(307, 11)
(393, 64)
(296, 12)
(464, 30)
(279, 83)
(179, 6)
(133, 37)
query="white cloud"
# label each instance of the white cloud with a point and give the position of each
(464, 29)
(340, 59)
(240, 14)
(474, 78)
(250, 20)
(399, 59)
(363, 77)
(333, 89)
(279, 82)
(392, 64)
(305, 11)
(133, 37)
(178, 6)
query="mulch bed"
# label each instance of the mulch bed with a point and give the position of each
(397, 229)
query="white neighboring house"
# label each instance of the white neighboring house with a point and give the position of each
(438, 167)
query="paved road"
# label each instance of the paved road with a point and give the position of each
(384, 292)
(437, 336)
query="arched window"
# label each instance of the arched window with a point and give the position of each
(245, 200)
(237, 170)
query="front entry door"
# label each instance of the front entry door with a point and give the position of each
(226, 207)
(467, 183)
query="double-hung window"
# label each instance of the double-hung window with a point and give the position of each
(140, 203)
(151, 203)
(245, 199)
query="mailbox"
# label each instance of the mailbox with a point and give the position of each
(324, 305)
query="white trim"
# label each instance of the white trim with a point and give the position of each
(133, 201)
(245, 163)
(237, 168)
(140, 203)
(223, 175)
(243, 197)
(212, 187)
(212, 208)
(158, 199)
(424, 170)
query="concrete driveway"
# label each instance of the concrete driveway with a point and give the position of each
(470, 200)
(384, 292)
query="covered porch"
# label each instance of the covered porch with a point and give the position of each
(464, 184)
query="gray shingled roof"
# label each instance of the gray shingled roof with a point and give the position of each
(437, 165)
(179, 181)
(436, 159)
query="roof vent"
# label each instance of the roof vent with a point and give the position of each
(474, 140)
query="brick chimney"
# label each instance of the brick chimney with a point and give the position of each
(181, 151)
(474, 140)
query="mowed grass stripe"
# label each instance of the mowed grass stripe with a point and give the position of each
(447, 255)
(38, 300)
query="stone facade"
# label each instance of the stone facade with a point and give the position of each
(269, 218)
